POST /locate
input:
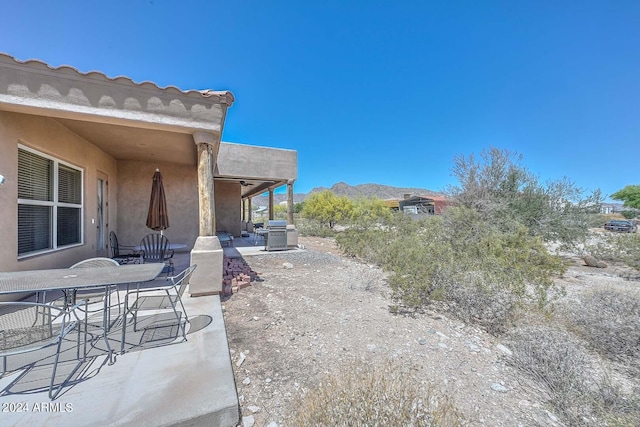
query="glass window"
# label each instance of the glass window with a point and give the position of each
(49, 203)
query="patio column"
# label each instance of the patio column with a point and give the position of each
(271, 203)
(208, 146)
(244, 209)
(290, 201)
(249, 209)
(207, 252)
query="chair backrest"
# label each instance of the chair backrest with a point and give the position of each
(155, 247)
(181, 280)
(95, 262)
(113, 243)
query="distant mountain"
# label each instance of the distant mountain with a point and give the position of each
(378, 190)
(352, 191)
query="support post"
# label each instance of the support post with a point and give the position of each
(208, 146)
(207, 252)
(250, 209)
(290, 201)
(271, 203)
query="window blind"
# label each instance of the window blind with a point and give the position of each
(35, 177)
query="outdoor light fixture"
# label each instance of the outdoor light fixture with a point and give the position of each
(1, 179)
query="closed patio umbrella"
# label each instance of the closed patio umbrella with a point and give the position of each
(157, 217)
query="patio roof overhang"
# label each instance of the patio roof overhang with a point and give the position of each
(128, 120)
(257, 169)
(140, 121)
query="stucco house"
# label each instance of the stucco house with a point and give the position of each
(78, 152)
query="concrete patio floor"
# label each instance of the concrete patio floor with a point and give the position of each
(161, 380)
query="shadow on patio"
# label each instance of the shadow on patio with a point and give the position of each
(159, 380)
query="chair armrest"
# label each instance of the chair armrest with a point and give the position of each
(169, 253)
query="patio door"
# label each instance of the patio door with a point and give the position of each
(102, 215)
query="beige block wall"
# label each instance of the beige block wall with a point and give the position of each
(181, 190)
(50, 137)
(228, 206)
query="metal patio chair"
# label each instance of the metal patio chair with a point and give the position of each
(155, 248)
(121, 253)
(163, 297)
(91, 295)
(97, 294)
(27, 327)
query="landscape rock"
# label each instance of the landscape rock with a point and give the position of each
(248, 421)
(498, 387)
(504, 349)
(593, 262)
(241, 359)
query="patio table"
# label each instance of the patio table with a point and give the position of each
(71, 280)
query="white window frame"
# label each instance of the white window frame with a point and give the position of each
(55, 204)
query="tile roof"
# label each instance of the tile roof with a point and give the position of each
(225, 96)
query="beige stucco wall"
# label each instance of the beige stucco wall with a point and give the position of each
(181, 190)
(228, 206)
(50, 137)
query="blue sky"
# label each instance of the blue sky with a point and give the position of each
(378, 91)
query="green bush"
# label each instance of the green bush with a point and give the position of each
(629, 214)
(373, 396)
(327, 208)
(482, 272)
(310, 227)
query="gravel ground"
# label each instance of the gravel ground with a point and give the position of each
(314, 312)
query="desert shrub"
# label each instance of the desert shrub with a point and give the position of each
(502, 190)
(368, 210)
(491, 305)
(614, 406)
(310, 227)
(554, 359)
(365, 396)
(609, 320)
(621, 248)
(481, 271)
(581, 393)
(629, 214)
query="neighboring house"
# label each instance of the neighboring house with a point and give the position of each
(418, 205)
(78, 155)
(440, 203)
(611, 208)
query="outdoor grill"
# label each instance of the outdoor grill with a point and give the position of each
(277, 235)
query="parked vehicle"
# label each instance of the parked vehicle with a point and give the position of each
(620, 225)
